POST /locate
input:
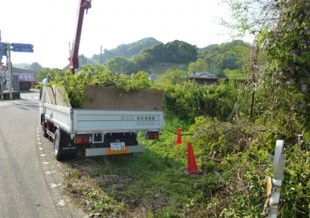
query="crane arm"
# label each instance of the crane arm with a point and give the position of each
(74, 58)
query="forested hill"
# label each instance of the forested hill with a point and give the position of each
(153, 56)
(226, 59)
(125, 50)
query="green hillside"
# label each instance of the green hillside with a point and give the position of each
(125, 50)
(152, 56)
(225, 60)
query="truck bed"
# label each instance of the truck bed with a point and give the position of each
(80, 121)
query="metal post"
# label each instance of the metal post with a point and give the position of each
(1, 84)
(275, 186)
(9, 65)
(2, 76)
(1, 92)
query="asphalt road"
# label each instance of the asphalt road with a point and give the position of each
(31, 180)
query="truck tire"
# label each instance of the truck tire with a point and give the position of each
(58, 144)
(44, 131)
(63, 145)
(44, 126)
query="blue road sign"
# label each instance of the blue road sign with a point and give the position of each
(3, 49)
(20, 47)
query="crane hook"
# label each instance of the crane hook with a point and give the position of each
(86, 5)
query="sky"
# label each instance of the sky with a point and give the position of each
(50, 25)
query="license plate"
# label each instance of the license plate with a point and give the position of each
(117, 146)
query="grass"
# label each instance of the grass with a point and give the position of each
(149, 184)
(153, 183)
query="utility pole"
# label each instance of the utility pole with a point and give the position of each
(6, 49)
(101, 54)
(9, 66)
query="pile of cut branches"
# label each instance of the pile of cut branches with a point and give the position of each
(99, 76)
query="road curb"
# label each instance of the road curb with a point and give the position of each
(52, 173)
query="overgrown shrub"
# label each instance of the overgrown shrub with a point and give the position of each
(190, 100)
(238, 153)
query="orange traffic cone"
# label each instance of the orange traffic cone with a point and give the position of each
(192, 165)
(179, 139)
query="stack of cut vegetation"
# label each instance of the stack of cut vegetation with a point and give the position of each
(96, 87)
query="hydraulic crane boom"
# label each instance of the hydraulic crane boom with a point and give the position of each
(74, 58)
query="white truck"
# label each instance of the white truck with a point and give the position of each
(107, 124)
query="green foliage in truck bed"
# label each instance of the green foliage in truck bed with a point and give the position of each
(74, 84)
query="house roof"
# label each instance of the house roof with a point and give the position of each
(203, 75)
(25, 77)
(23, 74)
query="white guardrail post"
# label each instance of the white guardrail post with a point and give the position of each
(274, 185)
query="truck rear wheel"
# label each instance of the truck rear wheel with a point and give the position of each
(58, 144)
(63, 145)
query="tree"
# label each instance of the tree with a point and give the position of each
(251, 16)
(44, 72)
(226, 56)
(120, 65)
(143, 60)
(200, 65)
(279, 56)
(157, 53)
(180, 52)
(278, 89)
(286, 64)
(34, 67)
(173, 76)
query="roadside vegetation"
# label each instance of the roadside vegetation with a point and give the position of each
(231, 150)
(233, 126)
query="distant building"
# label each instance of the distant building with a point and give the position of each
(23, 80)
(26, 78)
(204, 78)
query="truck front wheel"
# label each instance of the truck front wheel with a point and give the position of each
(44, 131)
(44, 126)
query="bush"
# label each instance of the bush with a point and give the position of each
(190, 100)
